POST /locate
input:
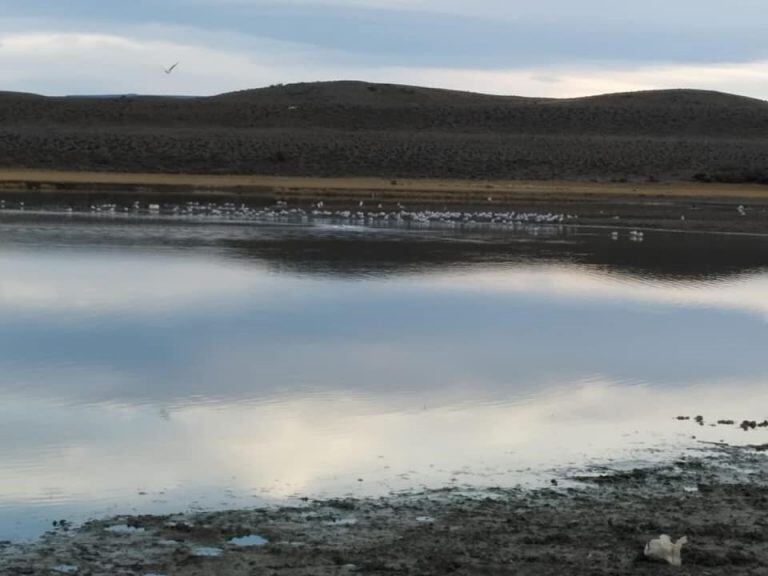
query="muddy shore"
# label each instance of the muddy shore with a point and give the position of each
(595, 523)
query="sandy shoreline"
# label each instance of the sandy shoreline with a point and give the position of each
(356, 187)
(718, 498)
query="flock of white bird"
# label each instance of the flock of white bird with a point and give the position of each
(280, 212)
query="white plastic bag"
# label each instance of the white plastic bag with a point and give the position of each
(662, 548)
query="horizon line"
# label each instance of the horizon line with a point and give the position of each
(365, 82)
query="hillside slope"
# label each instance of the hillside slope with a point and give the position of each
(357, 128)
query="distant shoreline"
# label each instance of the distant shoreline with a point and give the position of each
(350, 188)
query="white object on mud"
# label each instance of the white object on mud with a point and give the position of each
(251, 540)
(341, 522)
(207, 551)
(662, 548)
(124, 529)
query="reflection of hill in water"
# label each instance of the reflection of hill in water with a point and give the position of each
(661, 255)
(351, 251)
(273, 336)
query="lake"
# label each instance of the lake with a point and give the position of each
(158, 364)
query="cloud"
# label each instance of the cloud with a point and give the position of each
(748, 79)
(58, 63)
(551, 10)
(550, 48)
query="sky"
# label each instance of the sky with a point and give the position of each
(555, 48)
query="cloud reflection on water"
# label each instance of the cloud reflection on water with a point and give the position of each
(307, 445)
(155, 329)
(128, 370)
(145, 283)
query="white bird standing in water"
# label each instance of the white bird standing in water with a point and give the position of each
(171, 69)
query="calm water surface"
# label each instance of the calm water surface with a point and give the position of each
(160, 365)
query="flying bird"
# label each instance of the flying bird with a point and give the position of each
(169, 70)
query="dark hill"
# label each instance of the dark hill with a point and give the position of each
(357, 128)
